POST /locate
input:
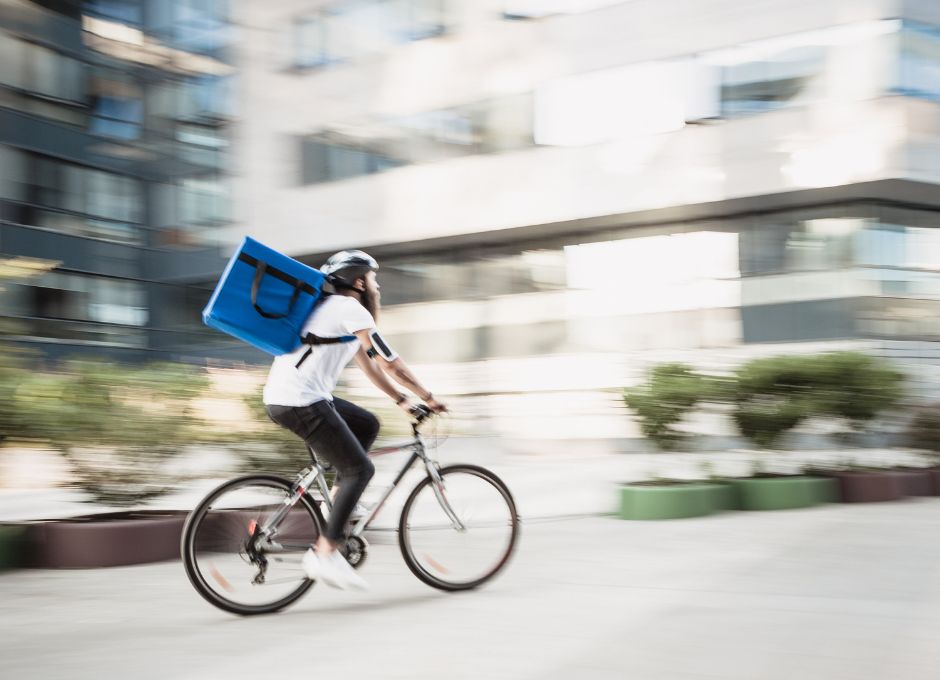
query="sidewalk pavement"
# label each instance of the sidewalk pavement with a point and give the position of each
(836, 592)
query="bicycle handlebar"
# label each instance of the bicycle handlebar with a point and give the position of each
(421, 413)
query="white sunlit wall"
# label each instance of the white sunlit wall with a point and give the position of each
(391, 161)
(557, 117)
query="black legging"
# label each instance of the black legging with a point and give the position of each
(342, 433)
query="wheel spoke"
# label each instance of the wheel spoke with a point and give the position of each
(463, 554)
(234, 568)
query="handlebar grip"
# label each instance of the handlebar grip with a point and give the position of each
(420, 412)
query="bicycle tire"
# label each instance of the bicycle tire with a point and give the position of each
(404, 534)
(191, 530)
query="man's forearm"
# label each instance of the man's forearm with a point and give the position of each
(404, 377)
(380, 380)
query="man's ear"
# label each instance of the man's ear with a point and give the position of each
(360, 283)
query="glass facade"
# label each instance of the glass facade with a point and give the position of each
(816, 274)
(46, 192)
(116, 159)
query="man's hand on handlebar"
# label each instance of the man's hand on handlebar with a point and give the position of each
(437, 406)
(412, 409)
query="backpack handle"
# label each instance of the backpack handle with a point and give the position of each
(260, 269)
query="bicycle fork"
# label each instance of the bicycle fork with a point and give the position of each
(437, 484)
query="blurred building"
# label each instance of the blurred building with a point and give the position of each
(561, 192)
(114, 147)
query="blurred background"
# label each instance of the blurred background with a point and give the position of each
(561, 193)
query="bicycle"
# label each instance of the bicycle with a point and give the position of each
(457, 530)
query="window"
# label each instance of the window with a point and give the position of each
(117, 106)
(122, 11)
(804, 68)
(891, 245)
(496, 125)
(771, 83)
(74, 297)
(205, 97)
(41, 70)
(81, 200)
(203, 201)
(473, 277)
(774, 246)
(199, 26)
(13, 179)
(360, 28)
(202, 145)
(919, 74)
(503, 124)
(323, 160)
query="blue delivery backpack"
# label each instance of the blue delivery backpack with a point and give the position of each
(264, 298)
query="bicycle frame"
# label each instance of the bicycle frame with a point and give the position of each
(316, 474)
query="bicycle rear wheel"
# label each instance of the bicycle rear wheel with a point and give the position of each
(451, 557)
(227, 562)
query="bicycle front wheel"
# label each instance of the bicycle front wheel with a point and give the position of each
(228, 562)
(461, 533)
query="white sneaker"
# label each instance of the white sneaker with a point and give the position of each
(333, 570)
(359, 512)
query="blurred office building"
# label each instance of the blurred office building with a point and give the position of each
(560, 192)
(114, 147)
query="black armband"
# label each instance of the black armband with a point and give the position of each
(381, 347)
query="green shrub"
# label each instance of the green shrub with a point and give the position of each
(670, 393)
(775, 394)
(923, 432)
(267, 446)
(771, 396)
(117, 426)
(14, 368)
(855, 386)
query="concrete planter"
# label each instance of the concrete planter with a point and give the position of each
(672, 501)
(13, 546)
(869, 487)
(724, 496)
(915, 482)
(108, 540)
(784, 493)
(935, 480)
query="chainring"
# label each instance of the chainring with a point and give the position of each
(355, 551)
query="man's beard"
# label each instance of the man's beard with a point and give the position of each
(371, 302)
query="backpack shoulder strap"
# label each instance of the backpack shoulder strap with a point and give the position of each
(310, 339)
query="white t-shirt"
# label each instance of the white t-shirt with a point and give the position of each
(316, 378)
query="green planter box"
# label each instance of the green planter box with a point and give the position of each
(666, 502)
(784, 493)
(724, 496)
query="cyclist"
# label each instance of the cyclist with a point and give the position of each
(298, 396)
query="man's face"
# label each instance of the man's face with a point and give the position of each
(373, 287)
(371, 297)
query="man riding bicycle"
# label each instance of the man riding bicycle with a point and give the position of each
(298, 396)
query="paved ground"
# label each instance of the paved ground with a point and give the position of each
(836, 592)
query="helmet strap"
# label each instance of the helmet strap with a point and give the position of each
(337, 282)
